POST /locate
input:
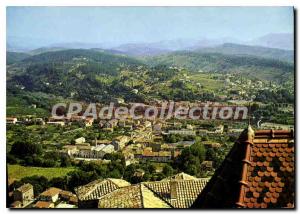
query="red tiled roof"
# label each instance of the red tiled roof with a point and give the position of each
(258, 172)
(42, 204)
(52, 191)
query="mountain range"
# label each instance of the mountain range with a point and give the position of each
(279, 41)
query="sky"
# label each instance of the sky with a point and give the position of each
(120, 25)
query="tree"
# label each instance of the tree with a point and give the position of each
(65, 161)
(22, 149)
(167, 170)
(191, 158)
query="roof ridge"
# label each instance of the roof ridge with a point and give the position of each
(142, 196)
(142, 183)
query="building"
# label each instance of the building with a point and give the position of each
(68, 197)
(65, 206)
(120, 142)
(208, 144)
(24, 194)
(100, 150)
(258, 172)
(182, 132)
(11, 120)
(58, 123)
(70, 149)
(219, 129)
(89, 194)
(118, 100)
(88, 121)
(50, 195)
(161, 156)
(16, 204)
(134, 196)
(80, 140)
(43, 204)
(178, 191)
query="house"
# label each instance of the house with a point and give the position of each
(139, 173)
(182, 132)
(50, 195)
(100, 150)
(43, 204)
(89, 194)
(68, 197)
(16, 204)
(76, 118)
(120, 142)
(118, 100)
(70, 149)
(157, 128)
(57, 123)
(207, 165)
(39, 121)
(94, 152)
(189, 127)
(219, 129)
(88, 121)
(258, 172)
(147, 124)
(63, 205)
(211, 144)
(11, 120)
(24, 194)
(84, 152)
(108, 149)
(108, 125)
(179, 191)
(161, 156)
(99, 142)
(80, 140)
(133, 196)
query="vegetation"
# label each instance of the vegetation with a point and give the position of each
(35, 83)
(191, 158)
(18, 172)
(267, 69)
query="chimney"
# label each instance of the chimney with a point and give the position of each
(173, 189)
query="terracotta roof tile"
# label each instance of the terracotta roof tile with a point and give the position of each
(99, 188)
(266, 182)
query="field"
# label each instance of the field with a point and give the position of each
(207, 82)
(18, 172)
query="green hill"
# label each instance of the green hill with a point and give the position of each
(98, 76)
(256, 51)
(13, 57)
(262, 68)
(79, 74)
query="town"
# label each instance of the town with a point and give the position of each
(150, 107)
(138, 143)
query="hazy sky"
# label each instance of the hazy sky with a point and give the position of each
(146, 24)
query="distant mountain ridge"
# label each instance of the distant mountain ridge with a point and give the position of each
(275, 40)
(280, 41)
(258, 51)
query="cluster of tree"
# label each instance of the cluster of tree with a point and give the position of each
(31, 154)
(280, 96)
(272, 113)
(225, 63)
(190, 159)
(136, 173)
